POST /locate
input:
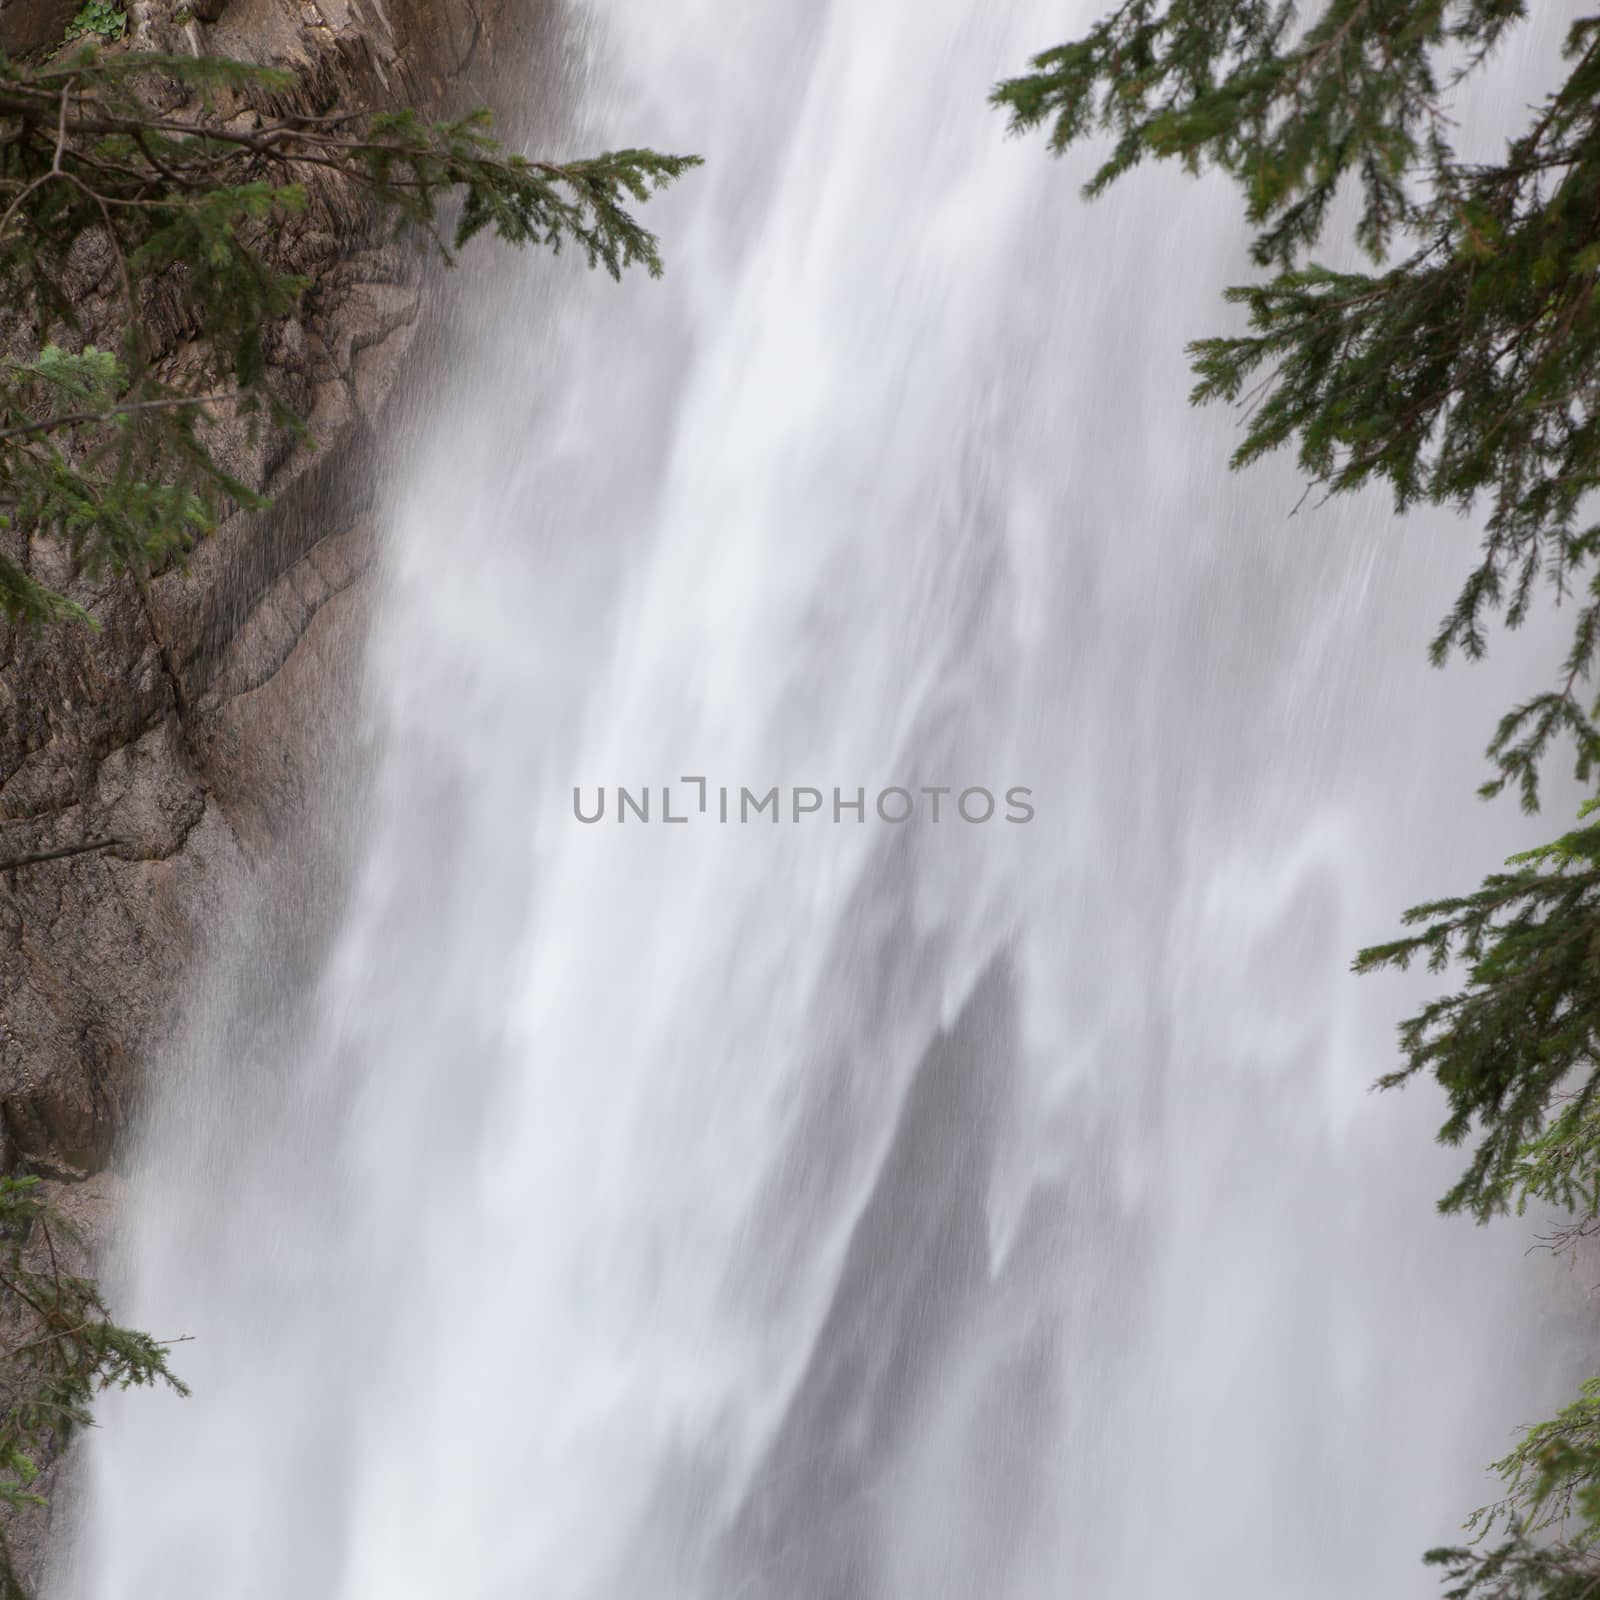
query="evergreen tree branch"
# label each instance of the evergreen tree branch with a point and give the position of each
(1517, 1048)
(62, 1349)
(1460, 370)
(123, 472)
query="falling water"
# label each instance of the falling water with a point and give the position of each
(842, 1209)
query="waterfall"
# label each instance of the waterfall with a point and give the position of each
(834, 1207)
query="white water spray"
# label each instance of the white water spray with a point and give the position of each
(841, 1210)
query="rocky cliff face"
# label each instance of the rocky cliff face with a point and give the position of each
(193, 726)
(186, 728)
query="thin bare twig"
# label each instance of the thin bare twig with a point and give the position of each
(74, 419)
(7, 863)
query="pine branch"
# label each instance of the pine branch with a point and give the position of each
(1462, 373)
(63, 1349)
(123, 473)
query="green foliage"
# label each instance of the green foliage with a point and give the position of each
(99, 19)
(112, 452)
(1459, 369)
(1515, 1050)
(1553, 1476)
(119, 494)
(1548, 1524)
(60, 1350)
(1519, 1568)
(1462, 367)
(1542, 1540)
(1515, 1047)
